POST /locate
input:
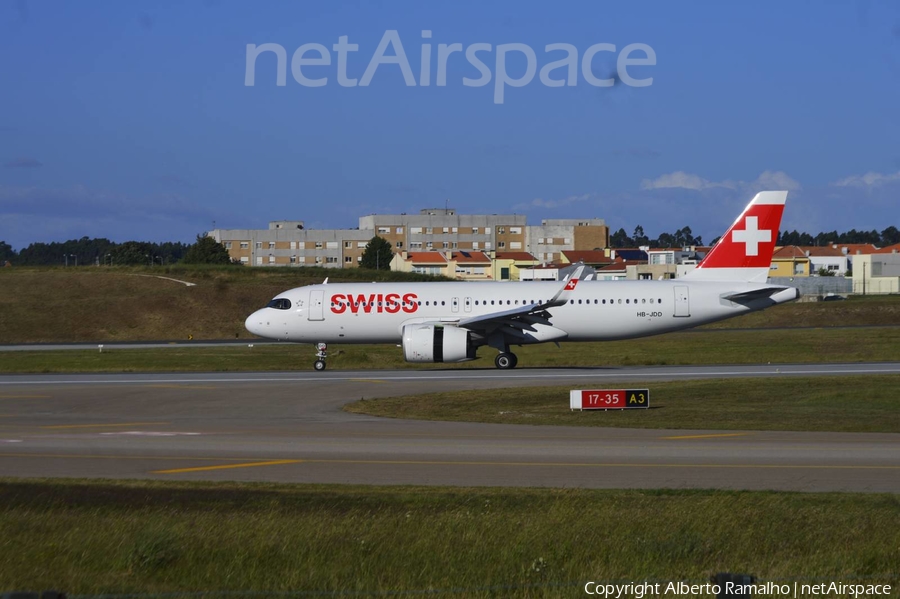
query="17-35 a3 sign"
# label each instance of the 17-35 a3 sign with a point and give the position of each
(608, 399)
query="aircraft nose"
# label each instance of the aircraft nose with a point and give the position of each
(254, 323)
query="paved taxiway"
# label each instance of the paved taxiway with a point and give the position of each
(289, 427)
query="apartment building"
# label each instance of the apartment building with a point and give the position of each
(290, 243)
(554, 236)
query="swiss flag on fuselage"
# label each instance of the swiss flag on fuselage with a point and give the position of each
(750, 241)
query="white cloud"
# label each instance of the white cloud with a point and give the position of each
(682, 180)
(775, 180)
(542, 203)
(870, 179)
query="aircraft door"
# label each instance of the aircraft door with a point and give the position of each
(682, 301)
(468, 304)
(454, 304)
(317, 304)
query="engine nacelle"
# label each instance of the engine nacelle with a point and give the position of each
(430, 343)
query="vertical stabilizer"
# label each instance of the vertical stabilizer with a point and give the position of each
(744, 252)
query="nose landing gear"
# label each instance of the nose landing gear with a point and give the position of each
(321, 356)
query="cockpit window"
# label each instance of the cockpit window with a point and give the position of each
(280, 303)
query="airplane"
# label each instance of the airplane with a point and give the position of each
(449, 321)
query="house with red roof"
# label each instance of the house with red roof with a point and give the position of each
(471, 266)
(463, 265)
(827, 259)
(507, 265)
(789, 261)
(426, 263)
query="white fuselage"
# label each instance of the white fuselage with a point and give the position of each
(595, 310)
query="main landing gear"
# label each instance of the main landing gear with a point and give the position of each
(506, 360)
(321, 356)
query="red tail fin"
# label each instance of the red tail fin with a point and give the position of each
(745, 251)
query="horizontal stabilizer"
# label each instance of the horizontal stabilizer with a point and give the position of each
(755, 294)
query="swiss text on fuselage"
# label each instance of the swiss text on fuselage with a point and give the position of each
(391, 303)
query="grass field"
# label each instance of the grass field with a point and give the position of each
(838, 403)
(149, 537)
(697, 347)
(131, 304)
(123, 304)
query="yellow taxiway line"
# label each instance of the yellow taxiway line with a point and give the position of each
(64, 426)
(712, 436)
(226, 466)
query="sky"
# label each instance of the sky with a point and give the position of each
(138, 120)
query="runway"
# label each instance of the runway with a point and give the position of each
(289, 427)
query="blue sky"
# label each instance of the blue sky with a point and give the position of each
(132, 120)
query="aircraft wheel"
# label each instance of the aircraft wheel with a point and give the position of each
(319, 365)
(505, 361)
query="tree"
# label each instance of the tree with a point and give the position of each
(206, 251)
(378, 254)
(6, 253)
(620, 239)
(890, 236)
(639, 237)
(132, 253)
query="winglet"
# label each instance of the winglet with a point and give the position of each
(562, 296)
(325, 282)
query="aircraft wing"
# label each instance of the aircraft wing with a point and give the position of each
(514, 323)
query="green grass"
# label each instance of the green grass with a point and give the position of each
(697, 347)
(832, 403)
(112, 304)
(128, 304)
(151, 537)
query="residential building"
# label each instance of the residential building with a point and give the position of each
(789, 261)
(878, 272)
(472, 266)
(594, 258)
(826, 259)
(506, 266)
(290, 243)
(466, 266)
(426, 263)
(445, 229)
(556, 235)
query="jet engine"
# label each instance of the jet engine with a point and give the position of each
(430, 343)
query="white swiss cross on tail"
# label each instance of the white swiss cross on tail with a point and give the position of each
(571, 284)
(744, 252)
(751, 236)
